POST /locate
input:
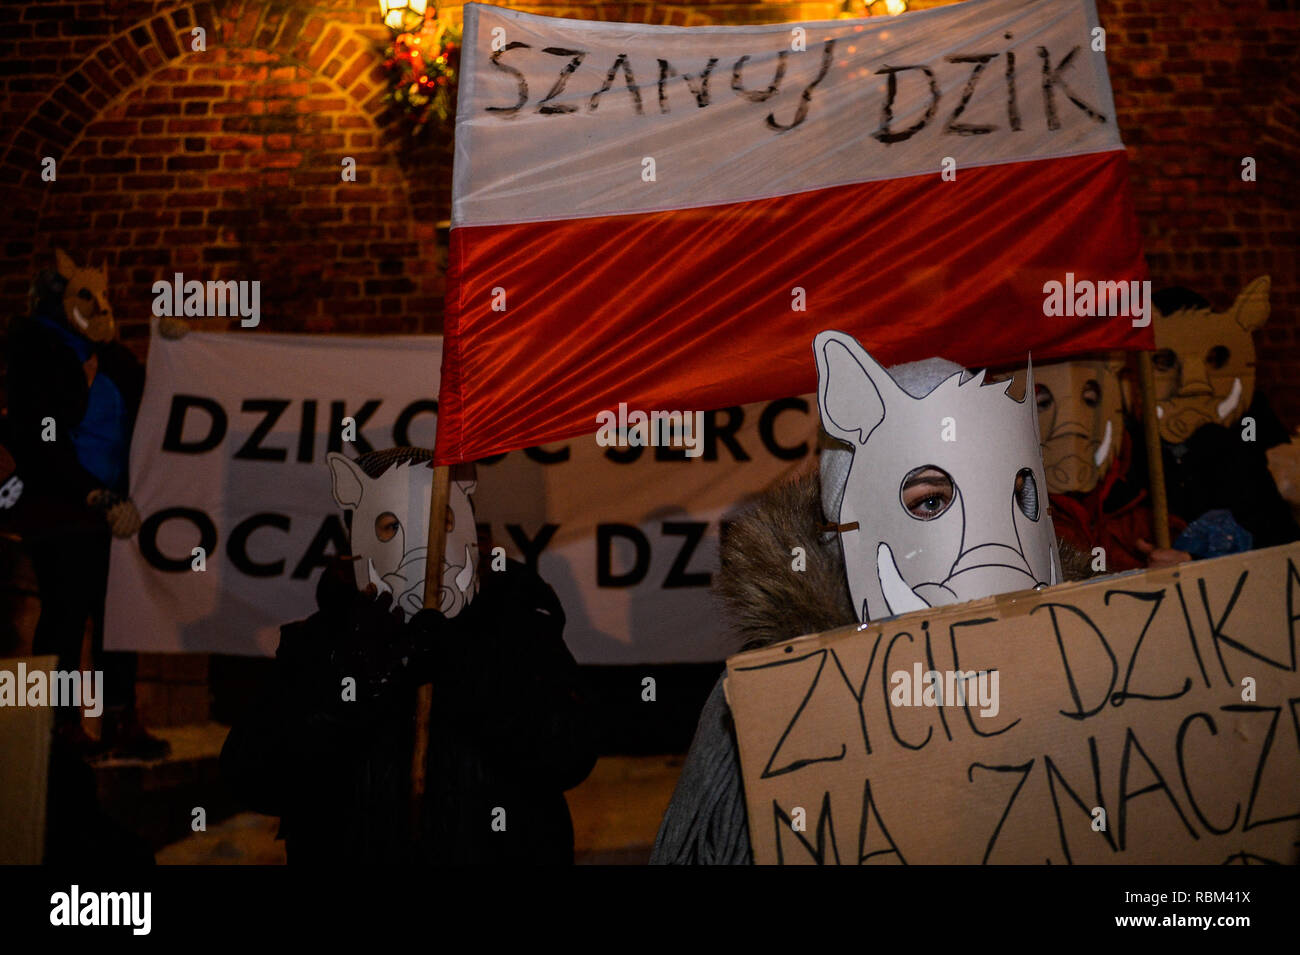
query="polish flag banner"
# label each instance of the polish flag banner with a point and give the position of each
(664, 217)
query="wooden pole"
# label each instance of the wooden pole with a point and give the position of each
(438, 499)
(1155, 454)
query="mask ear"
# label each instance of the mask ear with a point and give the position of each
(1251, 308)
(853, 390)
(348, 480)
(1030, 399)
(63, 262)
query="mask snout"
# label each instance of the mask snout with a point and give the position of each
(407, 581)
(990, 569)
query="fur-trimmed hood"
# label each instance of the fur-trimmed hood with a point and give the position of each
(766, 599)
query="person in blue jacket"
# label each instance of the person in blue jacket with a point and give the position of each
(74, 390)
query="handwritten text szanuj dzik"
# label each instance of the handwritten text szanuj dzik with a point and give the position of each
(544, 85)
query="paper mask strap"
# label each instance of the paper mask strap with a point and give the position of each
(833, 528)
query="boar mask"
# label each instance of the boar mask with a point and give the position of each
(1205, 363)
(947, 490)
(85, 299)
(390, 530)
(1081, 417)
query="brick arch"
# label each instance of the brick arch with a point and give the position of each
(340, 52)
(225, 163)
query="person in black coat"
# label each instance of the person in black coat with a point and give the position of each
(1212, 462)
(74, 391)
(508, 730)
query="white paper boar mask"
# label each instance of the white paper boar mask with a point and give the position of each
(947, 490)
(387, 493)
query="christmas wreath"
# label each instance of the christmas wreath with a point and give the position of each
(422, 69)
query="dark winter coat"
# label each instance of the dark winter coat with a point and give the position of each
(706, 823)
(1216, 470)
(46, 380)
(508, 730)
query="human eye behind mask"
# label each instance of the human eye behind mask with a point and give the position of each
(926, 492)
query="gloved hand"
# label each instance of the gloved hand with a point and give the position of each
(427, 645)
(464, 663)
(1215, 533)
(123, 519)
(1158, 557)
(172, 328)
(121, 514)
(373, 648)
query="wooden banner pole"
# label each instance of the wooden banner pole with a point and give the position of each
(1155, 454)
(438, 500)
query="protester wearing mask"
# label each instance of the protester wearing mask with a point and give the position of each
(74, 390)
(1098, 486)
(930, 491)
(328, 746)
(1216, 428)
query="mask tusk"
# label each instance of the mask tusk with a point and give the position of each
(899, 598)
(375, 579)
(464, 578)
(1229, 404)
(1103, 449)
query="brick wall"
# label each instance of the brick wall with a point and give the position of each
(1199, 86)
(225, 163)
(222, 163)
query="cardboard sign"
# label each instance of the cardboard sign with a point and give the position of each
(1150, 717)
(24, 781)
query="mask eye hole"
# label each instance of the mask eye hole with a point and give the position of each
(1218, 357)
(386, 525)
(1091, 393)
(1164, 360)
(1027, 493)
(1043, 397)
(927, 492)
(85, 295)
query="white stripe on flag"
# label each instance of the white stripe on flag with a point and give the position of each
(557, 121)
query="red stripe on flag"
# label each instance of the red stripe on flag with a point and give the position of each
(692, 309)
